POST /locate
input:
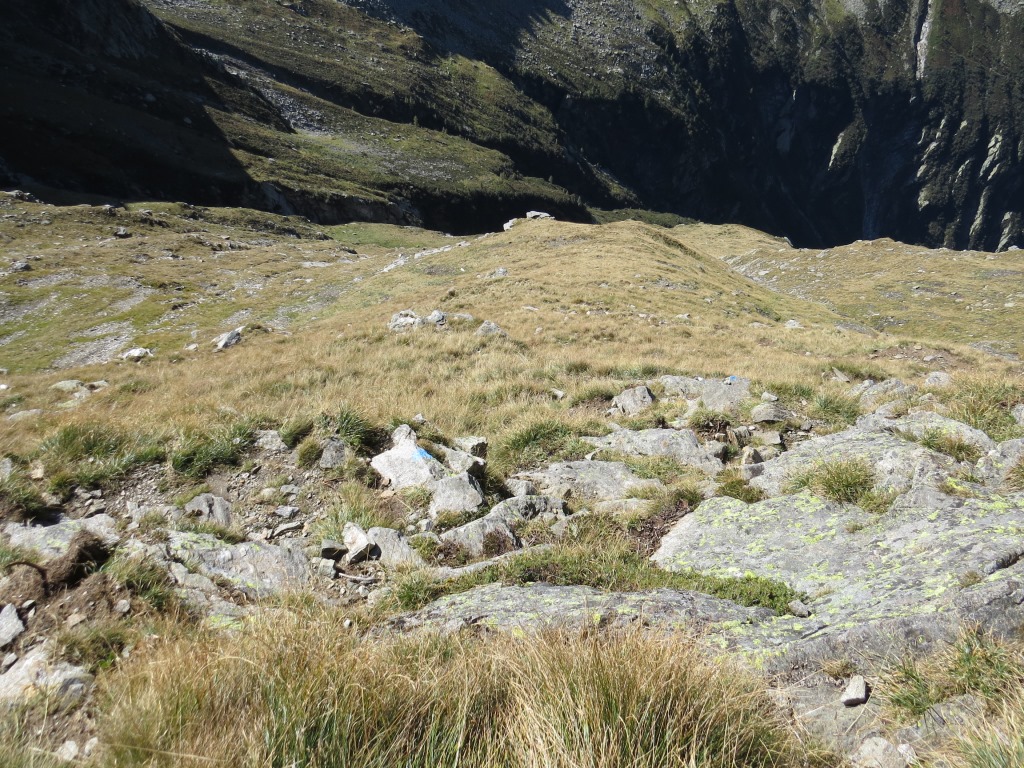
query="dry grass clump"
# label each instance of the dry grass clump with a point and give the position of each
(304, 691)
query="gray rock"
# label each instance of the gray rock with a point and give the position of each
(34, 674)
(538, 607)
(461, 493)
(69, 386)
(768, 397)
(634, 401)
(520, 487)
(1018, 414)
(921, 424)
(407, 465)
(436, 318)
(269, 441)
(6, 468)
(229, 339)
(489, 328)
(995, 468)
(20, 266)
(210, 508)
(766, 413)
(255, 569)
(8, 661)
(357, 544)
(137, 354)
(938, 380)
(403, 321)
(856, 692)
(392, 549)
(751, 455)
(31, 413)
(501, 522)
(336, 454)
(588, 480)
(67, 751)
(53, 540)
(899, 464)
(799, 609)
(681, 445)
(793, 325)
(871, 394)
(460, 461)
(10, 625)
(876, 752)
(474, 446)
(287, 512)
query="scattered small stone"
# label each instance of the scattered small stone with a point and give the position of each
(212, 508)
(768, 397)
(876, 752)
(75, 619)
(557, 394)
(938, 380)
(436, 318)
(357, 543)
(287, 512)
(122, 607)
(793, 325)
(751, 455)
(488, 328)
(122, 233)
(856, 692)
(291, 527)
(269, 441)
(769, 413)
(67, 751)
(229, 339)
(799, 609)
(839, 376)
(20, 266)
(90, 747)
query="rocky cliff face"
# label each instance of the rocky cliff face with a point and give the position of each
(826, 121)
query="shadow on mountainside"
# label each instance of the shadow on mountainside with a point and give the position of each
(100, 99)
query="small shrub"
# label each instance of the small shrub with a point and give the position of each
(1015, 478)
(295, 431)
(210, 528)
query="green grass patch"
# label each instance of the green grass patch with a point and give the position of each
(731, 484)
(848, 481)
(541, 442)
(597, 553)
(93, 455)
(210, 528)
(358, 504)
(988, 406)
(95, 646)
(293, 432)
(834, 409)
(20, 499)
(146, 580)
(199, 453)
(949, 444)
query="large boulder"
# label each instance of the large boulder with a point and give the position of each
(856, 567)
(723, 395)
(589, 481)
(407, 465)
(392, 549)
(899, 464)
(51, 541)
(634, 401)
(678, 444)
(254, 569)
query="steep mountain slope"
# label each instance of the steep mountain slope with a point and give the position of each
(820, 120)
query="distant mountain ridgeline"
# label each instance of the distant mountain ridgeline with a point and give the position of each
(823, 120)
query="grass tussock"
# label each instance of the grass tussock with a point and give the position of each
(975, 663)
(20, 499)
(357, 504)
(95, 646)
(542, 441)
(92, 455)
(987, 404)
(1015, 477)
(836, 410)
(144, 580)
(199, 453)
(847, 481)
(951, 445)
(731, 484)
(293, 691)
(597, 552)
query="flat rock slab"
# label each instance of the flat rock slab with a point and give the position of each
(855, 567)
(256, 569)
(899, 464)
(541, 606)
(53, 540)
(680, 445)
(588, 481)
(921, 424)
(722, 395)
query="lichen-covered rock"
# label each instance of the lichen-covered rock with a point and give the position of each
(899, 464)
(722, 395)
(500, 522)
(678, 444)
(925, 423)
(392, 549)
(858, 568)
(588, 480)
(210, 508)
(995, 468)
(540, 606)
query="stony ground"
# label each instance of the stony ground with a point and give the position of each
(820, 534)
